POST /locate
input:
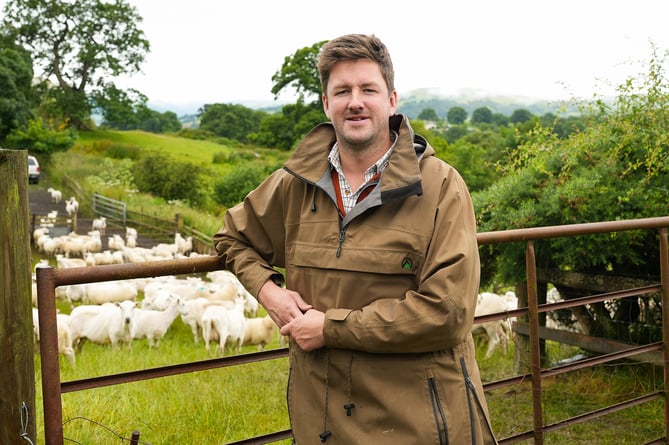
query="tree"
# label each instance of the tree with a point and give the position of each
(456, 115)
(482, 115)
(283, 130)
(78, 44)
(299, 71)
(429, 114)
(232, 121)
(520, 116)
(118, 107)
(616, 168)
(16, 75)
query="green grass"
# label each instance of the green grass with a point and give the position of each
(231, 404)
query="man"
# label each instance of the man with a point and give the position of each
(378, 240)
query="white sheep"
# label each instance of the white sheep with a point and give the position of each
(64, 335)
(153, 324)
(129, 231)
(225, 324)
(64, 262)
(56, 195)
(497, 331)
(109, 292)
(191, 314)
(100, 224)
(111, 323)
(260, 331)
(38, 233)
(184, 245)
(71, 206)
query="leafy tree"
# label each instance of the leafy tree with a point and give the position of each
(283, 130)
(615, 168)
(16, 75)
(455, 132)
(499, 120)
(232, 121)
(456, 115)
(118, 107)
(78, 44)
(300, 72)
(429, 114)
(156, 122)
(41, 137)
(520, 116)
(482, 115)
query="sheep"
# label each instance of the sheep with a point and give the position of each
(50, 246)
(64, 335)
(115, 242)
(159, 300)
(184, 245)
(259, 331)
(56, 195)
(102, 292)
(100, 224)
(191, 314)
(225, 324)
(153, 324)
(109, 292)
(497, 331)
(187, 288)
(112, 323)
(64, 262)
(38, 233)
(71, 206)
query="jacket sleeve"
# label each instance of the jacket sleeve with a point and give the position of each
(257, 218)
(439, 314)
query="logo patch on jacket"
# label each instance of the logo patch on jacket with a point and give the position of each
(407, 264)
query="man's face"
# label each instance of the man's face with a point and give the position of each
(358, 104)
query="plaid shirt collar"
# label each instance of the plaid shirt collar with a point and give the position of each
(349, 196)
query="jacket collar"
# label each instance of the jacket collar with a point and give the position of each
(401, 178)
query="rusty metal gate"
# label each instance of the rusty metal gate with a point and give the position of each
(52, 388)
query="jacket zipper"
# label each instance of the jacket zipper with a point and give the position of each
(472, 391)
(439, 416)
(342, 235)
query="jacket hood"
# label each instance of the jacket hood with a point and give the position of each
(401, 178)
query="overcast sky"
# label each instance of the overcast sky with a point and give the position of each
(210, 51)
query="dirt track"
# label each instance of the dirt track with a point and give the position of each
(40, 204)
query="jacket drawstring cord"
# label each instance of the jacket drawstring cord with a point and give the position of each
(348, 406)
(326, 434)
(313, 200)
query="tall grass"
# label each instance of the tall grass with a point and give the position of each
(230, 404)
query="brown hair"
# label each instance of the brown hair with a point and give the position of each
(353, 47)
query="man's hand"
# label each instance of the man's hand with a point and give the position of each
(282, 305)
(307, 330)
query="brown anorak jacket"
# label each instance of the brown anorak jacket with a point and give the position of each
(397, 278)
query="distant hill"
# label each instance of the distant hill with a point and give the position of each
(410, 104)
(419, 100)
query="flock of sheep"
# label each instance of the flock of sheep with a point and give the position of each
(217, 307)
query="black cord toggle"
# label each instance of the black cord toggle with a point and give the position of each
(325, 435)
(349, 407)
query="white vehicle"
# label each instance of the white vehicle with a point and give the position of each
(33, 170)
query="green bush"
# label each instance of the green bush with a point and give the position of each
(170, 179)
(238, 183)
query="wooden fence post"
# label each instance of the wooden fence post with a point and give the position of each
(17, 367)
